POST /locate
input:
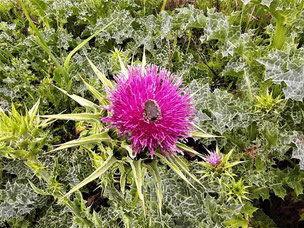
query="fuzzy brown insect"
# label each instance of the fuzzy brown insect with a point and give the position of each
(151, 110)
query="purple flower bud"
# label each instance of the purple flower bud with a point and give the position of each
(214, 158)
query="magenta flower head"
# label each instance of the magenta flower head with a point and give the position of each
(149, 106)
(214, 158)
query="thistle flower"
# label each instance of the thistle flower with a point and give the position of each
(214, 158)
(148, 105)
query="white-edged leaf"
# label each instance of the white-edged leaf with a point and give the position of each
(143, 62)
(98, 172)
(126, 146)
(288, 67)
(38, 190)
(188, 149)
(97, 94)
(34, 110)
(106, 82)
(227, 156)
(96, 220)
(197, 127)
(80, 100)
(104, 137)
(203, 135)
(184, 166)
(123, 68)
(154, 172)
(245, 2)
(138, 177)
(76, 117)
(175, 168)
(123, 177)
(8, 138)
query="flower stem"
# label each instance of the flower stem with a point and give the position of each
(280, 33)
(164, 5)
(243, 8)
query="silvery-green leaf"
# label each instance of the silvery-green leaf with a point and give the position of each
(286, 67)
(266, 2)
(245, 2)
(298, 152)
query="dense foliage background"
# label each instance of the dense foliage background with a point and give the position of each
(242, 60)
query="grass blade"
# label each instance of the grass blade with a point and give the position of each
(47, 50)
(32, 24)
(67, 61)
(41, 42)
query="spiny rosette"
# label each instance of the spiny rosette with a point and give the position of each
(149, 106)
